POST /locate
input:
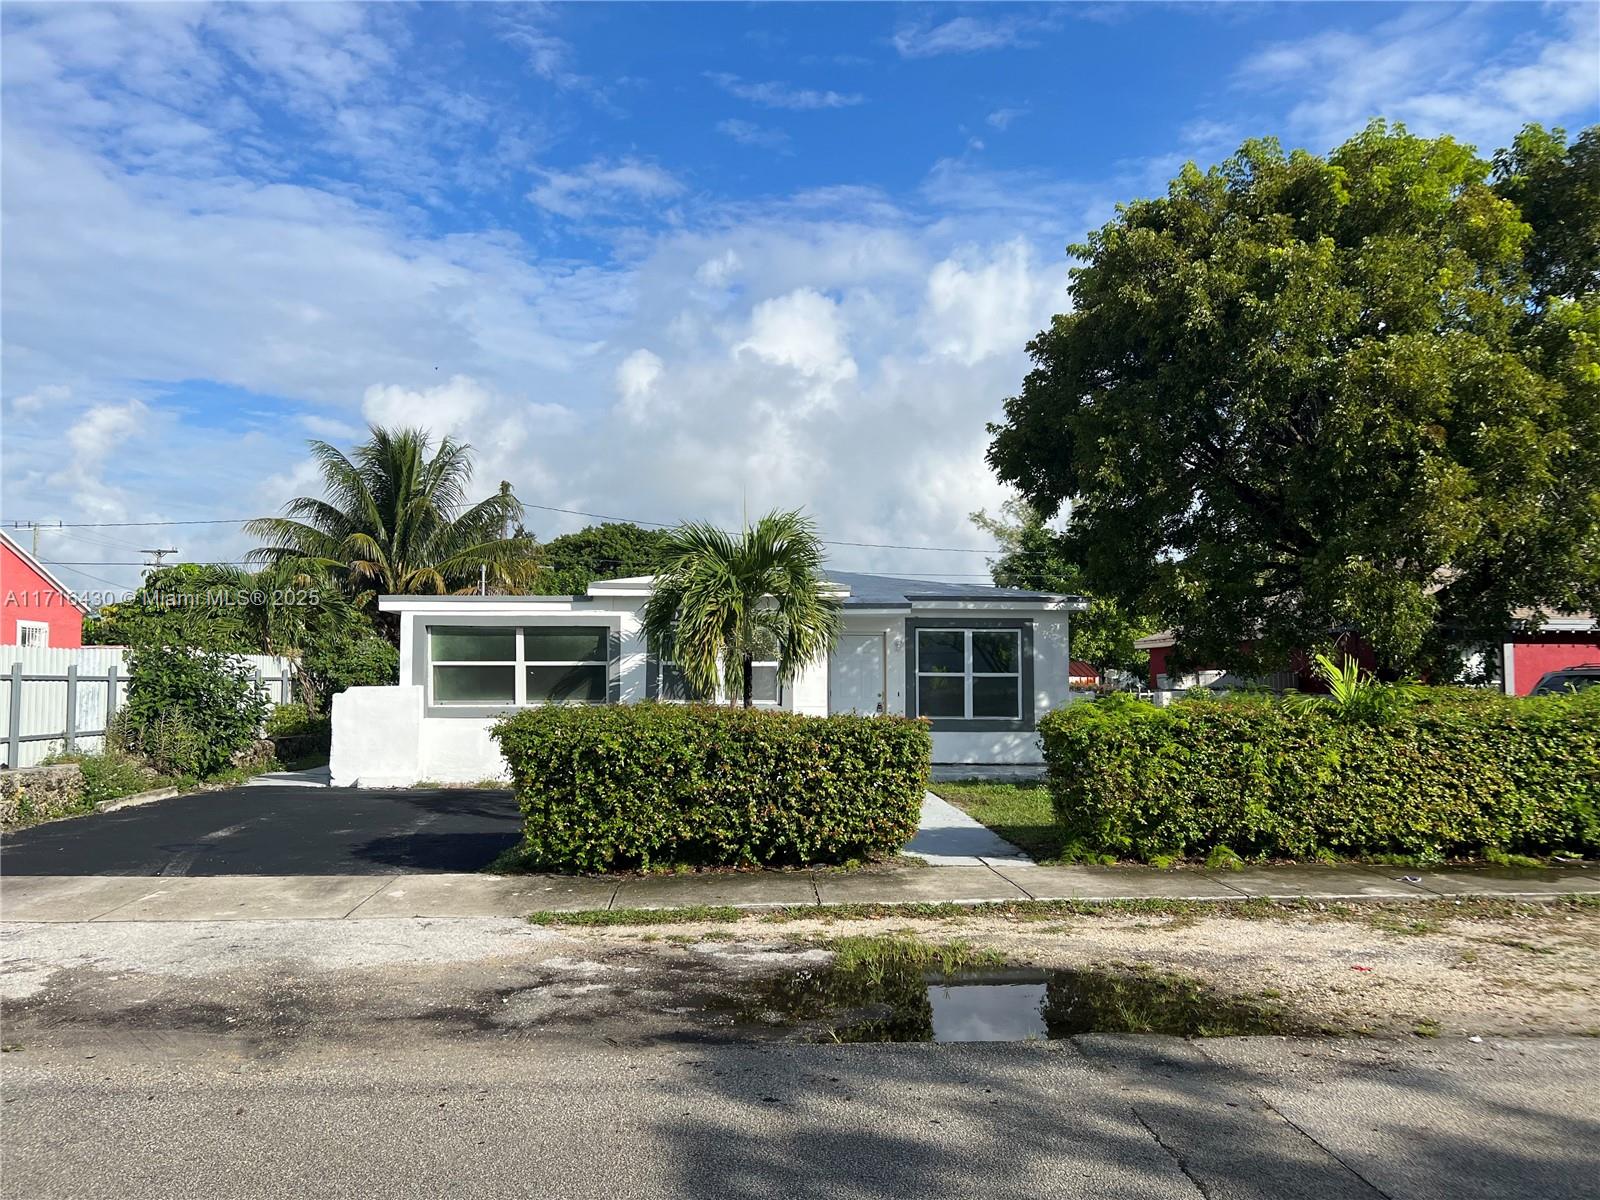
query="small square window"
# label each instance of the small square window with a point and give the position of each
(941, 652)
(994, 696)
(994, 653)
(941, 696)
(33, 633)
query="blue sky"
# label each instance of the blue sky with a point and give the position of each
(652, 260)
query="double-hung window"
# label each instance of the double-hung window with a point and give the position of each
(520, 665)
(969, 674)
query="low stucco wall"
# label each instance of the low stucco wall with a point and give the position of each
(381, 739)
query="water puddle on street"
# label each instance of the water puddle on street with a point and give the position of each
(886, 999)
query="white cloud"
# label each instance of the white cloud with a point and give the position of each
(718, 272)
(636, 380)
(97, 432)
(773, 94)
(985, 304)
(1001, 118)
(601, 184)
(49, 395)
(802, 330)
(748, 133)
(1439, 69)
(963, 35)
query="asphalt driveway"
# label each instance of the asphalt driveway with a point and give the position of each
(286, 830)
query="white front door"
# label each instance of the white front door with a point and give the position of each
(855, 674)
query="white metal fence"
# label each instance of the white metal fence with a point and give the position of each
(54, 699)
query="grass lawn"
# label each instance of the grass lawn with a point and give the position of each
(1018, 812)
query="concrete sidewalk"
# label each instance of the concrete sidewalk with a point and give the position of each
(29, 898)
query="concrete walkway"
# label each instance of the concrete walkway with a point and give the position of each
(948, 837)
(315, 777)
(29, 898)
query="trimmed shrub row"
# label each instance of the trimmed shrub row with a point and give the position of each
(649, 785)
(1441, 780)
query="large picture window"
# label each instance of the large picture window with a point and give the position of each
(518, 665)
(969, 674)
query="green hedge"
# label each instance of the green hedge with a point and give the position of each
(1444, 779)
(650, 785)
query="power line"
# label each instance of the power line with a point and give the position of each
(573, 512)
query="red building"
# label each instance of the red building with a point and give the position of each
(36, 608)
(1526, 657)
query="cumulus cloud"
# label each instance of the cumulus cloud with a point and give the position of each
(981, 305)
(773, 94)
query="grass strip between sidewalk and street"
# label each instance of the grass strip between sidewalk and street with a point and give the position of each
(1405, 916)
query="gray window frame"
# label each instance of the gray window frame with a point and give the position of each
(423, 664)
(1023, 627)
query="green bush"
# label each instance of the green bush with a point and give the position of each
(650, 785)
(1446, 778)
(110, 775)
(332, 661)
(190, 710)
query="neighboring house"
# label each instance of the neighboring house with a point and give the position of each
(1526, 656)
(1159, 647)
(1084, 675)
(36, 608)
(983, 664)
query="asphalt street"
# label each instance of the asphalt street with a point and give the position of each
(1099, 1117)
(287, 830)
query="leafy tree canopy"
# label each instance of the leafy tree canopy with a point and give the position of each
(1300, 395)
(1038, 558)
(609, 551)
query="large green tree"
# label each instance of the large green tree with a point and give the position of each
(1298, 396)
(1038, 558)
(394, 518)
(722, 601)
(611, 550)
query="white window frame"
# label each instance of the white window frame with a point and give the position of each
(773, 663)
(42, 628)
(519, 672)
(968, 675)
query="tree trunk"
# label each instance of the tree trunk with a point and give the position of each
(749, 681)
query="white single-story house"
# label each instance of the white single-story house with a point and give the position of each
(981, 663)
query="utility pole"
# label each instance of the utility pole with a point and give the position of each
(159, 554)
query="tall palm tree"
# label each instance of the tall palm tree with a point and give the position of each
(721, 601)
(394, 520)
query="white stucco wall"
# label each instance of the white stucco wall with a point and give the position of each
(386, 737)
(377, 737)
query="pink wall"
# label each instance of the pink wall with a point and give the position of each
(26, 595)
(1533, 654)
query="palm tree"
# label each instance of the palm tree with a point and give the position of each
(394, 520)
(721, 601)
